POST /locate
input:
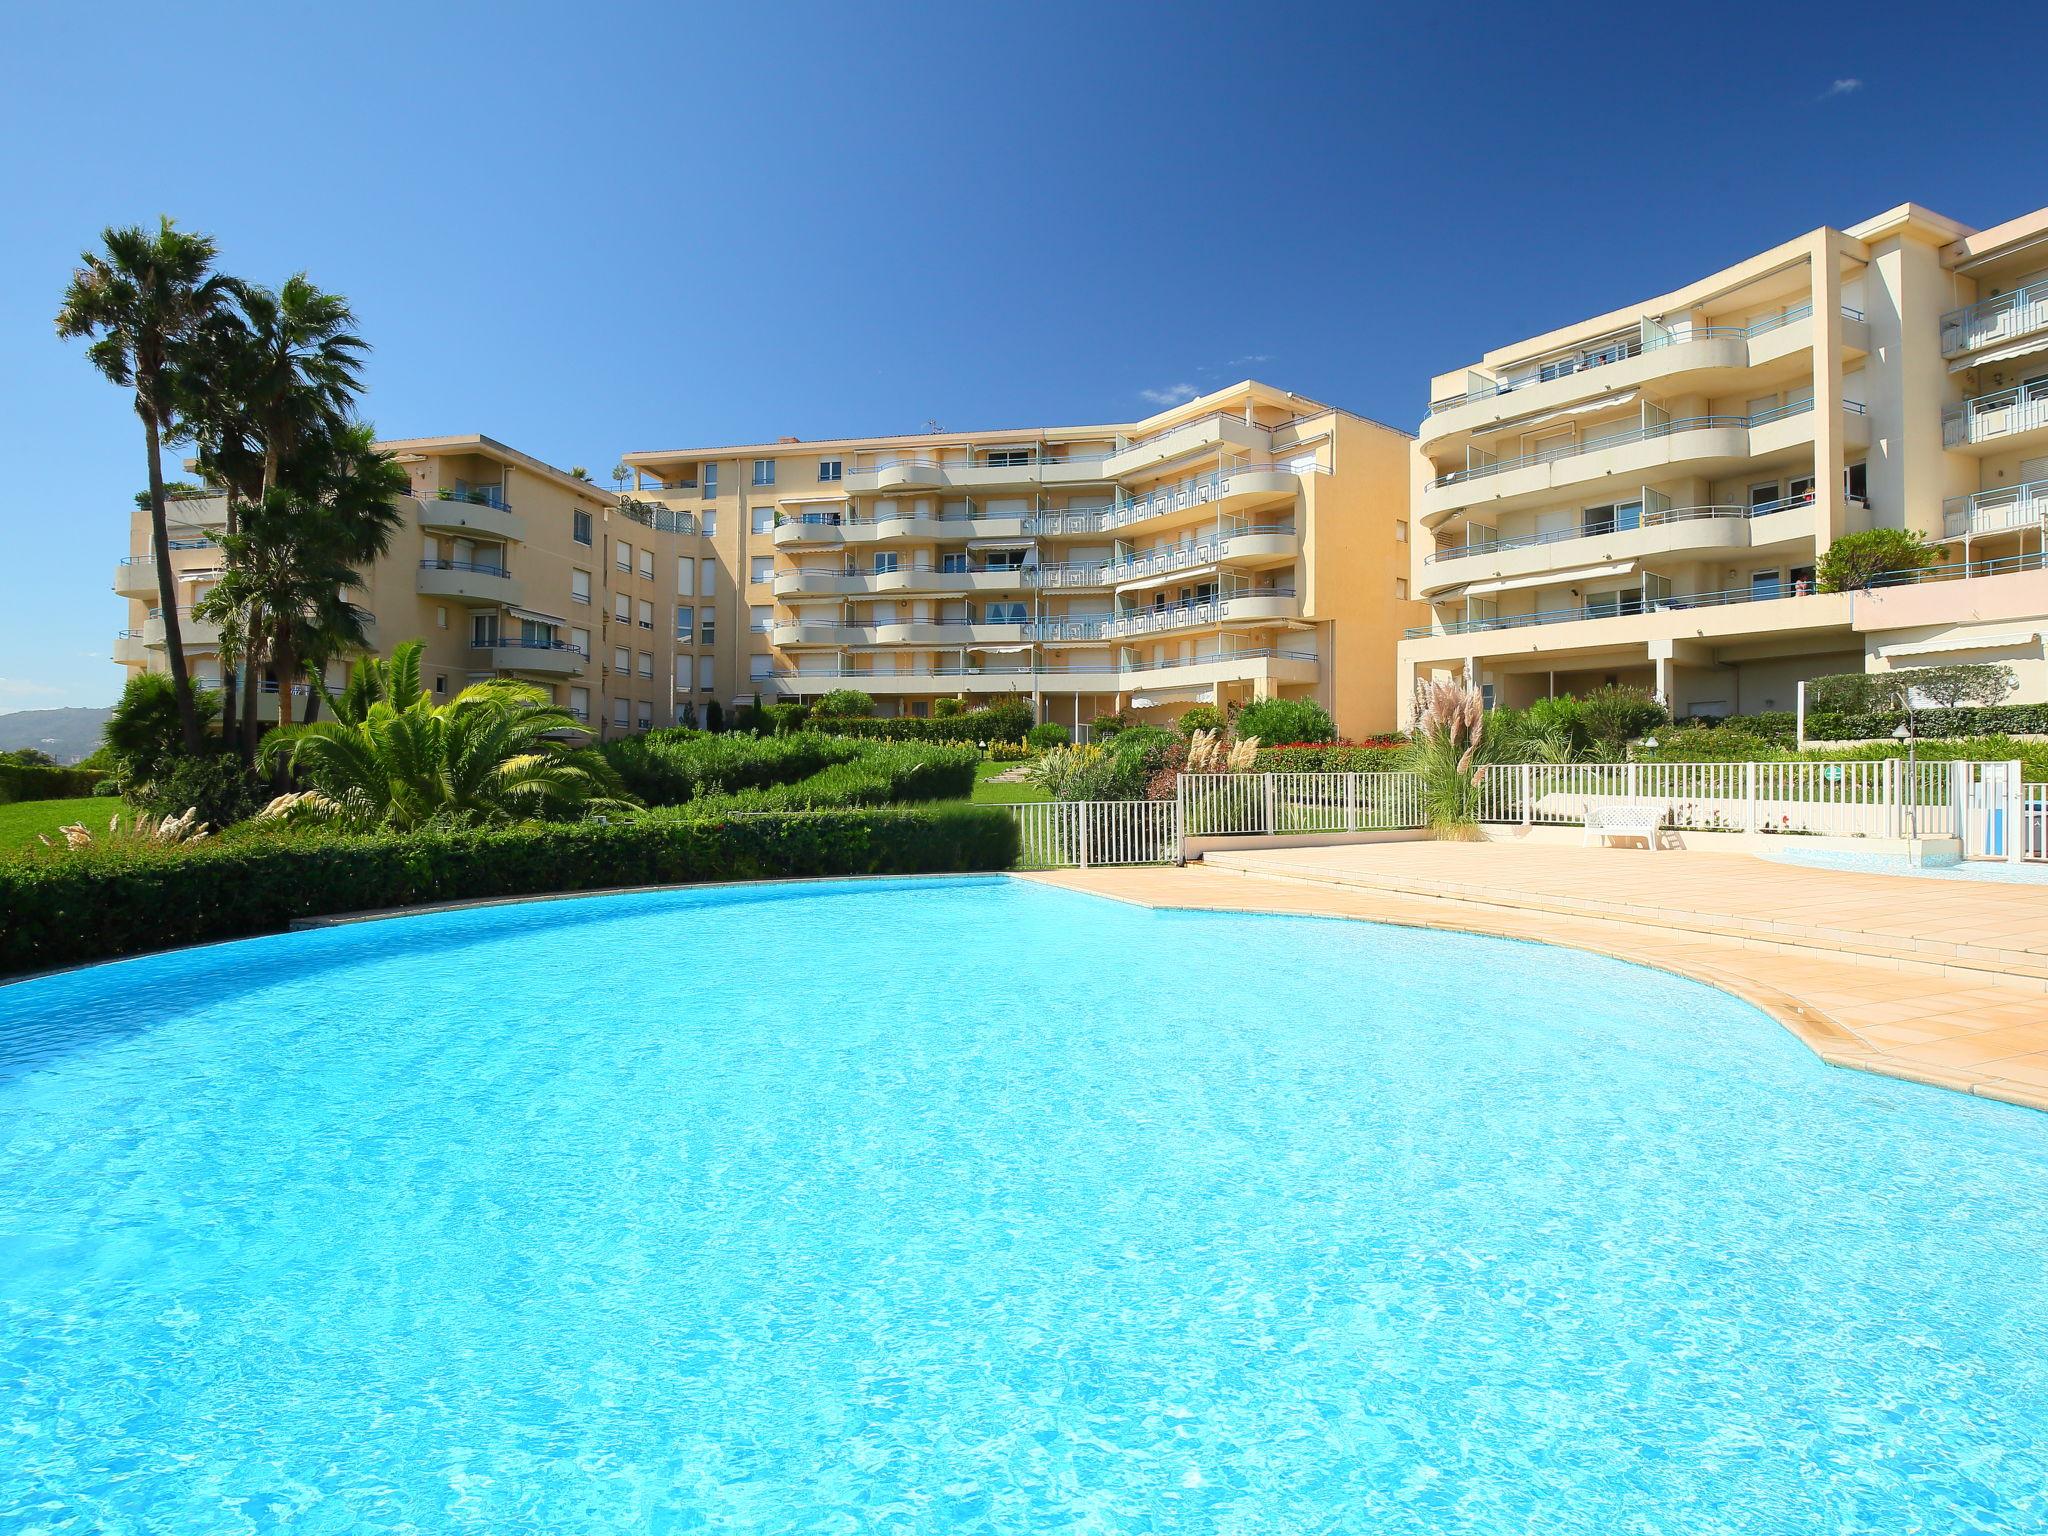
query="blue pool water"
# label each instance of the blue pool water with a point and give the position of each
(974, 1206)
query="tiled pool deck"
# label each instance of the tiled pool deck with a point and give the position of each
(1941, 982)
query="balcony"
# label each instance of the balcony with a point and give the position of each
(1110, 675)
(468, 581)
(790, 634)
(1702, 445)
(998, 469)
(538, 658)
(2008, 418)
(1628, 359)
(479, 514)
(833, 529)
(1222, 432)
(194, 633)
(1262, 605)
(913, 577)
(2004, 510)
(1253, 545)
(1225, 493)
(129, 650)
(1667, 531)
(1997, 321)
(136, 577)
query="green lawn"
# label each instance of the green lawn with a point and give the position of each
(988, 792)
(21, 821)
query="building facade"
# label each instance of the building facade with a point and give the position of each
(1642, 498)
(504, 567)
(1247, 544)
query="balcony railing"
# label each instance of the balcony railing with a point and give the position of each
(1633, 435)
(474, 495)
(1620, 347)
(1187, 553)
(2008, 315)
(1052, 669)
(2012, 506)
(474, 567)
(1635, 606)
(521, 643)
(1605, 529)
(1213, 610)
(172, 544)
(2001, 414)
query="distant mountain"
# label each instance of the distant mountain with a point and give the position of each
(66, 734)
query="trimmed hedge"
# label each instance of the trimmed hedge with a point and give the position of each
(34, 781)
(805, 771)
(998, 722)
(1330, 759)
(1963, 720)
(66, 908)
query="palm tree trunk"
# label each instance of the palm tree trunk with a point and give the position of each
(252, 675)
(287, 666)
(230, 692)
(167, 591)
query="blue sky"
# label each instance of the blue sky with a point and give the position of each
(586, 229)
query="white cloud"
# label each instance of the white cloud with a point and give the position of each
(1251, 357)
(1844, 87)
(22, 688)
(1172, 394)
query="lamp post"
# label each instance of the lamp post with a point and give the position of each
(1905, 733)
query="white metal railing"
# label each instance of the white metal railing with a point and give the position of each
(2034, 797)
(1075, 834)
(1848, 799)
(1999, 414)
(1271, 804)
(2018, 313)
(2008, 507)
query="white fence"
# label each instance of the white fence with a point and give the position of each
(1222, 804)
(2035, 798)
(1069, 834)
(1855, 799)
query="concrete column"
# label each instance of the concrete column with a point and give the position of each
(1830, 520)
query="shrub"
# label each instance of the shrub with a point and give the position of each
(1047, 733)
(217, 788)
(1336, 757)
(1006, 720)
(847, 703)
(678, 767)
(946, 709)
(1855, 560)
(142, 735)
(714, 715)
(788, 718)
(32, 781)
(1964, 720)
(1277, 722)
(1612, 717)
(62, 908)
(1199, 717)
(1102, 727)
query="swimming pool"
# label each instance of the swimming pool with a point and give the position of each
(972, 1205)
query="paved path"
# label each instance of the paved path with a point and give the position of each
(1837, 958)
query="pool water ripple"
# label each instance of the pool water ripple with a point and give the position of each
(979, 1206)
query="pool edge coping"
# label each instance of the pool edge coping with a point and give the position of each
(1812, 1026)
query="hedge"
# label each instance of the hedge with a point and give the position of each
(998, 722)
(1962, 720)
(1329, 759)
(808, 770)
(69, 907)
(34, 781)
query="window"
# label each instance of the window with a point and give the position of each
(707, 582)
(686, 575)
(762, 570)
(579, 586)
(954, 563)
(762, 519)
(1856, 481)
(887, 560)
(579, 703)
(647, 564)
(686, 623)
(1764, 584)
(625, 554)
(644, 712)
(1009, 456)
(622, 661)
(483, 629)
(535, 633)
(580, 639)
(830, 469)
(704, 674)
(579, 527)
(1763, 495)
(759, 667)
(440, 682)
(619, 717)
(1400, 589)
(622, 608)
(764, 471)
(647, 663)
(646, 614)
(710, 522)
(686, 712)
(1400, 530)
(760, 617)
(707, 627)
(710, 485)
(440, 617)
(919, 708)
(1005, 560)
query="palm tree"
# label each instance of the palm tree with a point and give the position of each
(144, 301)
(393, 758)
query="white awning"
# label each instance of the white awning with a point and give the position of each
(1962, 643)
(1548, 579)
(1019, 542)
(536, 617)
(1173, 696)
(2037, 343)
(1525, 423)
(1000, 650)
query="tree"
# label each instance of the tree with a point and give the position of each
(1856, 561)
(845, 704)
(1282, 722)
(143, 734)
(145, 300)
(393, 758)
(1612, 717)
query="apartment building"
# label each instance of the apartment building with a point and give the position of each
(1642, 498)
(1246, 544)
(505, 567)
